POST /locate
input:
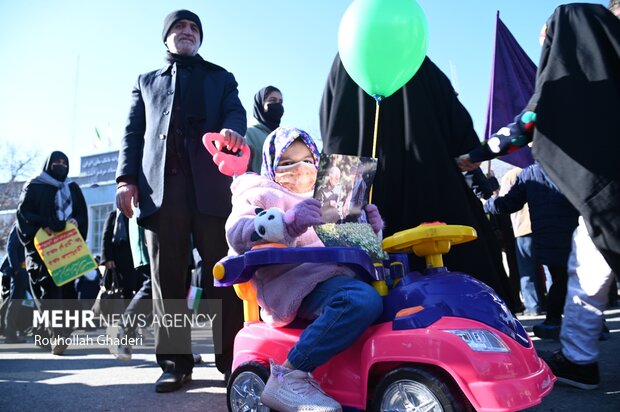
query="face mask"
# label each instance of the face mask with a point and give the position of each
(298, 177)
(274, 112)
(59, 171)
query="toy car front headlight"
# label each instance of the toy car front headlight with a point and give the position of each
(480, 340)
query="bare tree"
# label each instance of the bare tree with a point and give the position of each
(17, 163)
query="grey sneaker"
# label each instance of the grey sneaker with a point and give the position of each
(289, 390)
(123, 351)
(60, 347)
(60, 343)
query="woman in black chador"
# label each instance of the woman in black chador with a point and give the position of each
(48, 201)
(422, 128)
(577, 140)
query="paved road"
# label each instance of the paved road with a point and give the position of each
(604, 399)
(89, 378)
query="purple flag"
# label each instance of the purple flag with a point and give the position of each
(512, 85)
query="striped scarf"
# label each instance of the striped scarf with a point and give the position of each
(63, 195)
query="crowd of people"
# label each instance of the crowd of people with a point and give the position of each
(574, 95)
(173, 203)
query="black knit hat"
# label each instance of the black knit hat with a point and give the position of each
(180, 15)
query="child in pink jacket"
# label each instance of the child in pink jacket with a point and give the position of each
(277, 206)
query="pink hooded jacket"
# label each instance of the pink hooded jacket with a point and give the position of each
(280, 288)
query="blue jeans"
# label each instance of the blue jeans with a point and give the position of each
(589, 279)
(528, 272)
(342, 309)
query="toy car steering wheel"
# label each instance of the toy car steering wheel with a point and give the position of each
(230, 164)
(429, 240)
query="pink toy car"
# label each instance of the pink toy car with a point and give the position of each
(445, 341)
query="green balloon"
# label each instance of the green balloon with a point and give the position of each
(382, 43)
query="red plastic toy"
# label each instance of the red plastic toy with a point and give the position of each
(230, 164)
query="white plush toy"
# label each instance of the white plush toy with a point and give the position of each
(269, 225)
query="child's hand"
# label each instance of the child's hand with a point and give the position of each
(303, 215)
(374, 218)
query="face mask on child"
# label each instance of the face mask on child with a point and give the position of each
(298, 177)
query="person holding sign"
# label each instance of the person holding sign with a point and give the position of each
(48, 202)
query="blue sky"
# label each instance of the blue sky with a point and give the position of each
(69, 66)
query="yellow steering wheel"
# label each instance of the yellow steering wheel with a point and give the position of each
(429, 240)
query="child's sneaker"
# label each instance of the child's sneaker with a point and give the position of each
(573, 374)
(289, 390)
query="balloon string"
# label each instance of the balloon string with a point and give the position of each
(374, 139)
(374, 142)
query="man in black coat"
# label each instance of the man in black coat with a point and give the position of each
(48, 202)
(165, 171)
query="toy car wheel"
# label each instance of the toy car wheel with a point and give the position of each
(245, 387)
(413, 389)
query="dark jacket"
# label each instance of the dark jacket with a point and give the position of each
(15, 251)
(5, 288)
(143, 150)
(553, 217)
(5, 268)
(36, 209)
(115, 250)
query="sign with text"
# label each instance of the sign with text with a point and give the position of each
(65, 254)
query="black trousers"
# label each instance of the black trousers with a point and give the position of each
(556, 296)
(141, 303)
(48, 296)
(15, 311)
(169, 234)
